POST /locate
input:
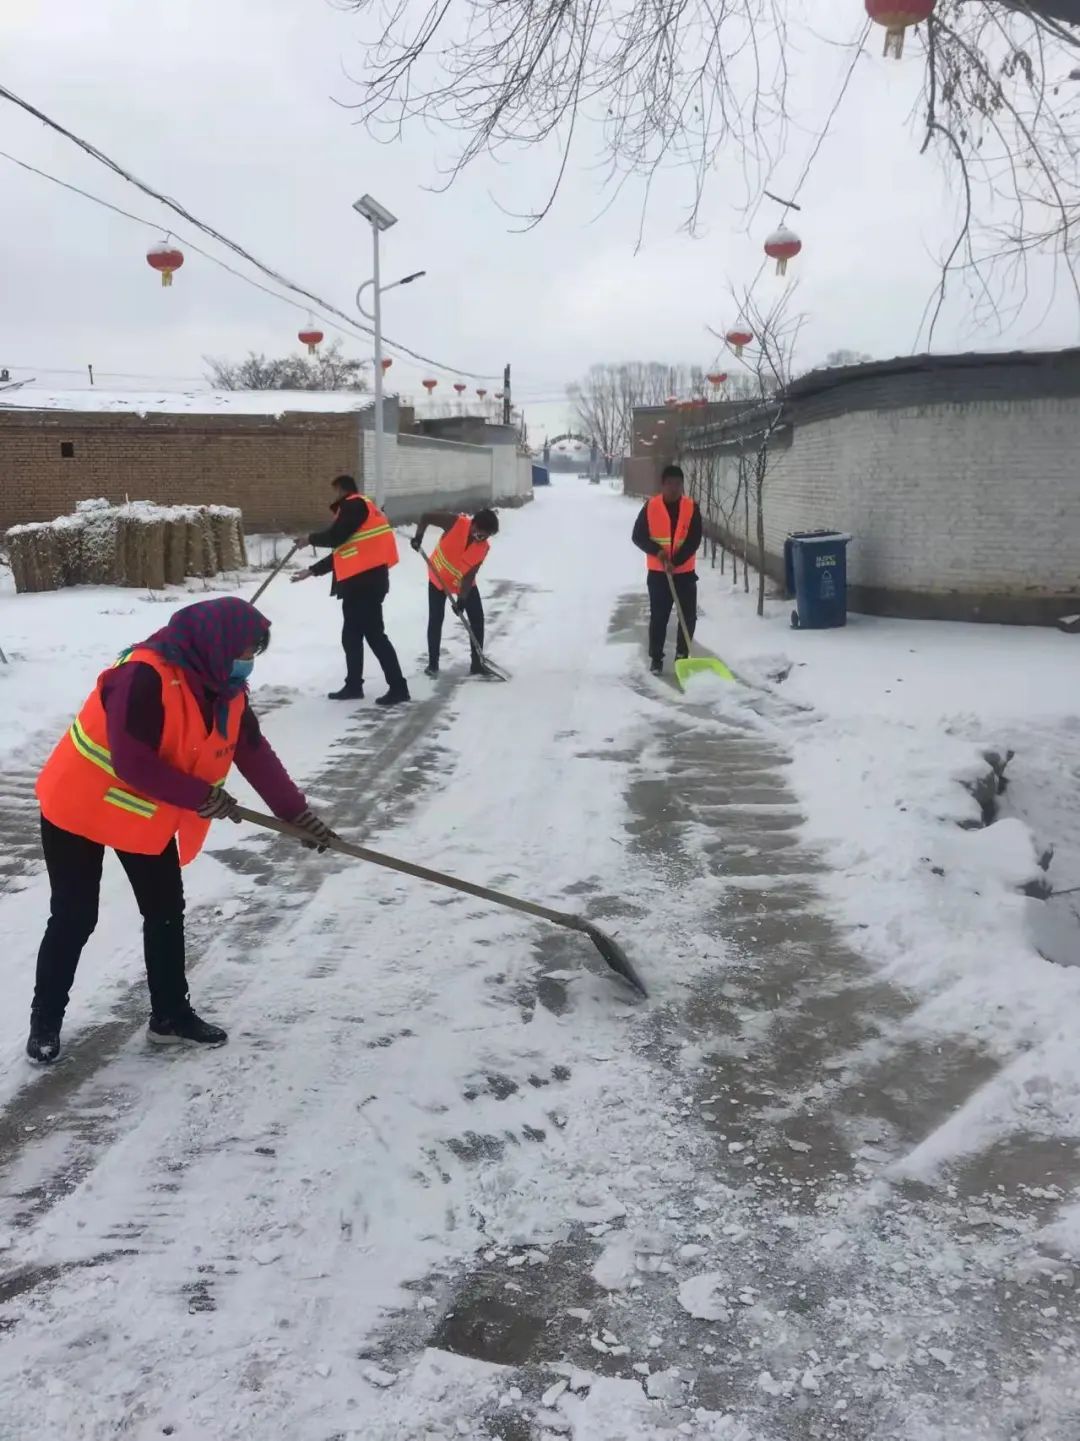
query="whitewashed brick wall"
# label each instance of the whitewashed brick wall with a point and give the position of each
(447, 473)
(972, 498)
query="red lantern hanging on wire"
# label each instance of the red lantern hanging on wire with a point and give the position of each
(481, 392)
(386, 363)
(429, 385)
(166, 259)
(898, 16)
(460, 387)
(500, 394)
(739, 336)
(782, 245)
(716, 378)
(311, 336)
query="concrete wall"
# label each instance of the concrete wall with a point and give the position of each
(966, 509)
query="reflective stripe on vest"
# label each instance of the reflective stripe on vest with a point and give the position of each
(80, 792)
(100, 757)
(659, 520)
(456, 555)
(370, 546)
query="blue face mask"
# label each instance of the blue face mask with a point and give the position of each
(241, 669)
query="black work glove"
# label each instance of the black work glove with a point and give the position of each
(416, 542)
(318, 830)
(219, 805)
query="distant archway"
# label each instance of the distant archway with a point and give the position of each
(570, 435)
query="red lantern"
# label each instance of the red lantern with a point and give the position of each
(429, 385)
(310, 337)
(739, 336)
(897, 16)
(165, 258)
(500, 394)
(716, 378)
(782, 245)
(460, 387)
(386, 363)
(481, 393)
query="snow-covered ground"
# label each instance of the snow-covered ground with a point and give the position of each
(449, 1178)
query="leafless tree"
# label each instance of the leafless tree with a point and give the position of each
(605, 399)
(767, 361)
(329, 370)
(677, 83)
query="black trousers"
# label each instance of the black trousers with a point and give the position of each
(474, 611)
(362, 620)
(660, 608)
(74, 866)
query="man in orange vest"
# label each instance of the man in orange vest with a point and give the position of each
(452, 572)
(668, 530)
(141, 770)
(362, 550)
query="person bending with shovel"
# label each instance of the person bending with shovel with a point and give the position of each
(141, 771)
(668, 530)
(452, 570)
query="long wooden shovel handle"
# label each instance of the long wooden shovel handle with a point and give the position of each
(421, 873)
(275, 572)
(678, 609)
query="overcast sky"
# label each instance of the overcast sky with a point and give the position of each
(228, 106)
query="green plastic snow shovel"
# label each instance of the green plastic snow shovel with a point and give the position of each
(692, 665)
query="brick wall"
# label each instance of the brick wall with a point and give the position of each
(968, 509)
(275, 469)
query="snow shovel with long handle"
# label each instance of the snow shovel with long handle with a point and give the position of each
(494, 671)
(274, 573)
(692, 665)
(612, 952)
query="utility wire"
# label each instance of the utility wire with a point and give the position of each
(309, 296)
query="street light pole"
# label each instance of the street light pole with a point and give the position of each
(380, 482)
(379, 218)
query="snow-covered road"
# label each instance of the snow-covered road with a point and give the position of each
(449, 1178)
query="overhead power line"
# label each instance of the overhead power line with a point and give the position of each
(312, 299)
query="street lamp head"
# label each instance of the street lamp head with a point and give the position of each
(416, 275)
(372, 211)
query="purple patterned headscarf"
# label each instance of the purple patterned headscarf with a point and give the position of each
(206, 638)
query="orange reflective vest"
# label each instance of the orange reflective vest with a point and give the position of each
(659, 518)
(372, 545)
(79, 791)
(455, 555)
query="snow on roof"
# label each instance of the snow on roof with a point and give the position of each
(184, 402)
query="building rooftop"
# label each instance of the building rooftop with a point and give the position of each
(183, 402)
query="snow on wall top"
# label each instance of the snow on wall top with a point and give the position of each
(185, 402)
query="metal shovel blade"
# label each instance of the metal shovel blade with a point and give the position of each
(691, 666)
(615, 957)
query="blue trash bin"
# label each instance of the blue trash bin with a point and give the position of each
(815, 570)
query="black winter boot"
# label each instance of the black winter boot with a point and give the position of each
(43, 1043)
(347, 692)
(185, 1026)
(396, 695)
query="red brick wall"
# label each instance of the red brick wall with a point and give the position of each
(276, 470)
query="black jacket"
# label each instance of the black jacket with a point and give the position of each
(349, 516)
(690, 545)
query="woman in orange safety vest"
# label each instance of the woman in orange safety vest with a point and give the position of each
(141, 771)
(452, 572)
